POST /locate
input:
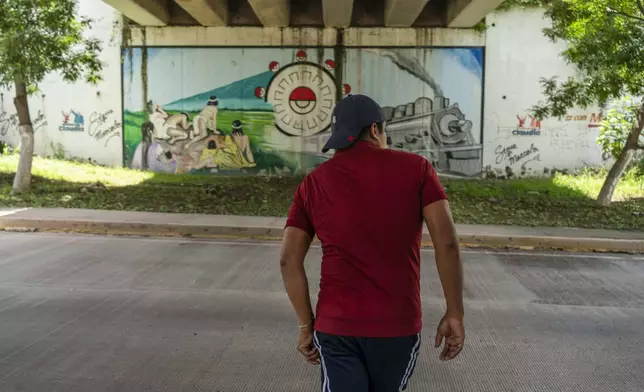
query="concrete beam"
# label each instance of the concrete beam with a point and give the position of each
(143, 12)
(337, 13)
(206, 12)
(178, 36)
(272, 13)
(378, 37)
(467, 13)
(402, 13)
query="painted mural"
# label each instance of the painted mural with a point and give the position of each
(267, 111)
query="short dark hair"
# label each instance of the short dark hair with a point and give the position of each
(364, 134)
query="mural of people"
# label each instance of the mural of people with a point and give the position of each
(147, 132)
(221, 152)
(157, 117)
(206, 120)
(194, 147)
(176, 126)
(242, 141)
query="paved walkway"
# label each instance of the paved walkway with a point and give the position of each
(89, 313)
(152, 223)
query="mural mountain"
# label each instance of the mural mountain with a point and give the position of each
(239, 95)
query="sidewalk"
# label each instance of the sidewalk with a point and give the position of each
(269, 228)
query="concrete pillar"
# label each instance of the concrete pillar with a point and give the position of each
(206, 12)
(337, 13)
(272, 13)
(402, 13)
(467, 13)
(143, 12)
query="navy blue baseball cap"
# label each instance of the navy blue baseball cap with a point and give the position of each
(350, 116)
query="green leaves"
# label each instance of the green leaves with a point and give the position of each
(617, 125)
(507, 4)
(42, 36)
(605, 41)
(561, 96)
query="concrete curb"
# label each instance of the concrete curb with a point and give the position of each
(274, 233)
(569, 244)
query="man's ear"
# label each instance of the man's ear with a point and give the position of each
(374, 132)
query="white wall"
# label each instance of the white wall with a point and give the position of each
(517, 56)
(100, 136)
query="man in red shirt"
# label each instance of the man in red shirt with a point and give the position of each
(367, 205)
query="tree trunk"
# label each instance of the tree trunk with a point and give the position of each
(625, 157)
(146, 138)
(22, 181)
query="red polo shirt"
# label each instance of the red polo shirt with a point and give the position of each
(365, 205)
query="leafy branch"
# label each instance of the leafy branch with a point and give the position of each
(640, 7)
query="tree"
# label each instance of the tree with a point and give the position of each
(606, 44)
(38, 37)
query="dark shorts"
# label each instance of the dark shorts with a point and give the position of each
(354, 364)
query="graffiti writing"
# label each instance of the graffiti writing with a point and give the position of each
(7, 121)
(594, 120)
(534, 158)
(570, 144)
(504, 152)
(100, 128)
(524, 154)
(571, 137)
(40, 121)
(10, 121)
(508, 154)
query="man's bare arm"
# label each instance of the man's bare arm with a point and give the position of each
(448, 262)
(295, 245)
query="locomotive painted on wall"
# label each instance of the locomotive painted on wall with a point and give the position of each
(437, 130)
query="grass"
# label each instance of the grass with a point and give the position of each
(561, 200)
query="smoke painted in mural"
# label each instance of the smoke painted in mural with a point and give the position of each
(267, 111)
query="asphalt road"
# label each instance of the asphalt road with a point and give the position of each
(89, 314)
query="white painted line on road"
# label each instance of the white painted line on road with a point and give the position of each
(7, 212)
(274, 244)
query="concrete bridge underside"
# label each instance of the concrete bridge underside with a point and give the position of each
(306, 13)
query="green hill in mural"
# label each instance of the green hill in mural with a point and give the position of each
(239, 95)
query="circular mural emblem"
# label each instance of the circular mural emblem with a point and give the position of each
(302, 100)
(303, 96)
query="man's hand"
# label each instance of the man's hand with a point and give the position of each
(305, 346)
(451, 329)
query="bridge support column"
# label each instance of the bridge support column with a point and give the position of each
(403, 13)
(206, 12)
(272, 13)
(337, 13)
(467, 13)
(143, 12)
